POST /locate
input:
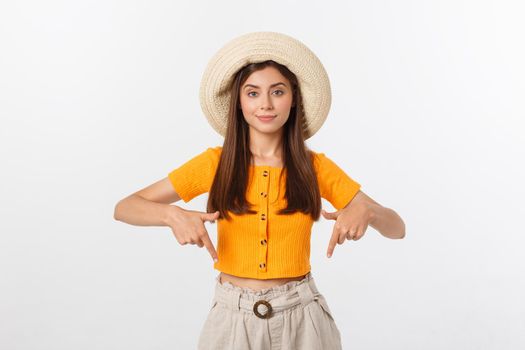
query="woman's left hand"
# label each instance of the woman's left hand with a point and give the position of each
(351, 222)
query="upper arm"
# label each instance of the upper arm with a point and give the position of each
(196, 175)
(161, 191)
(335, 184)
(185, 182)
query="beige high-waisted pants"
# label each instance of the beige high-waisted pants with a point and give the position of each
(292, 316)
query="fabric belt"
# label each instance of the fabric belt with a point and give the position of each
(267, 304)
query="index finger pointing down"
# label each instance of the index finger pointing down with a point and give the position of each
(333, 242)
(209, 245)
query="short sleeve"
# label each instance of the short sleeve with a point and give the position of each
(334, 184)
(195, 176)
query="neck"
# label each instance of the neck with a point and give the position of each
(266, 145)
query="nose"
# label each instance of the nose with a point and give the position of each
(266, 102)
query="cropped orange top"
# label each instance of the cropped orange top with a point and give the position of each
(263, 245)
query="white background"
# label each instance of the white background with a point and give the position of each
(99, 99)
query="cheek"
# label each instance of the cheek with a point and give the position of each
(286, 101)
(246, 105)
(284, 105)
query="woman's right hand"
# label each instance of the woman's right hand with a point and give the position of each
(188, 227)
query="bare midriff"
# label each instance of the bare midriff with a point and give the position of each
(256, 284)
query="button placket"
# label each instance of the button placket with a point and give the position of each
(264, 183)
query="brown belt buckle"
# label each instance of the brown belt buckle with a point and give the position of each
(256, 311)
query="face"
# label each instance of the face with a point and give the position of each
(266, 99)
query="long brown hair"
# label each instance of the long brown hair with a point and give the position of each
(228, 190)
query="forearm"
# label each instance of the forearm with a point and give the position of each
(387, 222)
(138, 211)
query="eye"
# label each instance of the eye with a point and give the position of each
(279, 93)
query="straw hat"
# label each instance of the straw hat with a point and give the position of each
(258, 47)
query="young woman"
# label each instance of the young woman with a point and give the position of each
(266, 93)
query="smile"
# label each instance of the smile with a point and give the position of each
(266, 118)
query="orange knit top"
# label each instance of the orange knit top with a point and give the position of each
(263, 245)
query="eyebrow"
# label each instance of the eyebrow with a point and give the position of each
(271, 86)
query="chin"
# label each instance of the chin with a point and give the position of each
(268, 131)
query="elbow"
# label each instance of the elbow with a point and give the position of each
(116, 211)
(403, 230)
(395, 235)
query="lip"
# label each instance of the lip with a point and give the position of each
(266, 118)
